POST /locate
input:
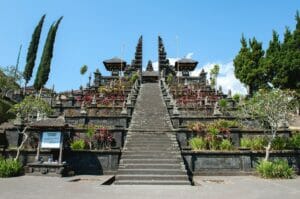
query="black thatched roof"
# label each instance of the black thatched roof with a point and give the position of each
(185, 64)
(114, 64)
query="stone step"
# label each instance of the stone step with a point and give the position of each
(149, 139)
(152, 182)
(151, 153)
(151, 171)
(151, 156)
(151, 161)
(150, 166)
(152, 136)
(149, 149)
(152, 177)
(150, 143)
(156, 130)
(153, 144)
(145, 148)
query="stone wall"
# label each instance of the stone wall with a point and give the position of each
(183, 135)
(93, 162)
(81, 161)
(233, 162)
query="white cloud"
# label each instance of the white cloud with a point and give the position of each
(189, 55)
(226, 77)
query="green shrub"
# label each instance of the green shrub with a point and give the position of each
(225, 123)
(254, 143)
(10, 168)
(277, 169)
(134, 77)
(197, 143)
(259, 143)
(295, 140)
(214, 144)
(279, 143)
(246, 142)
(226, 145)
(236, 97)
(223, 103)
(170, 79)
(78, 144)
(213, 131)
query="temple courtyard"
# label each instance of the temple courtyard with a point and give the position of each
(32, 187)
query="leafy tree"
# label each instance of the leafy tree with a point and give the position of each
(5, 105)
(83, 69)
(247, 65)
(214, 72)
(272, 62)
(32, 50)
(26, 111)
(29, 107)
(271, 109)
(8, 80)
(44, 67)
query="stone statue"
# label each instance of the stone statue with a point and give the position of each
(94, 102)
(229, 93)
(217, 112)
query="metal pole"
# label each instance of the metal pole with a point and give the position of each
(177, 50)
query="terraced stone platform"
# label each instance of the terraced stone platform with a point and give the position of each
(151, 154)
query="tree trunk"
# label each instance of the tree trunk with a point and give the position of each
(268, 148)
(22, 143)
(24, 90)
(40, 93)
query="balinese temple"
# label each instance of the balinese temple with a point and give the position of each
(115, 65)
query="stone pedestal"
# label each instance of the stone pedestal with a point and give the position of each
(47, 169)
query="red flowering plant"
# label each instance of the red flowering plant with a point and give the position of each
(213, 133)
(198, 128)
(103, 138)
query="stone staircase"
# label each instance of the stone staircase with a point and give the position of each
(151, 154)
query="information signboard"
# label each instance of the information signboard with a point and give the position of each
(51, 140)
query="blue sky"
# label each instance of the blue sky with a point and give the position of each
(95, 30)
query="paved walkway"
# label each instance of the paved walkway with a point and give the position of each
(32, 187)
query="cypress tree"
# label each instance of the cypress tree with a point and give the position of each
(44, 67)
(272, 63)
(247, 64)
(288, 74)
(32, 50)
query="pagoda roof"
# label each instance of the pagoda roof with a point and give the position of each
(114, 63)
(185, 64)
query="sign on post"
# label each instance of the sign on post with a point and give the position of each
(51, 140)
